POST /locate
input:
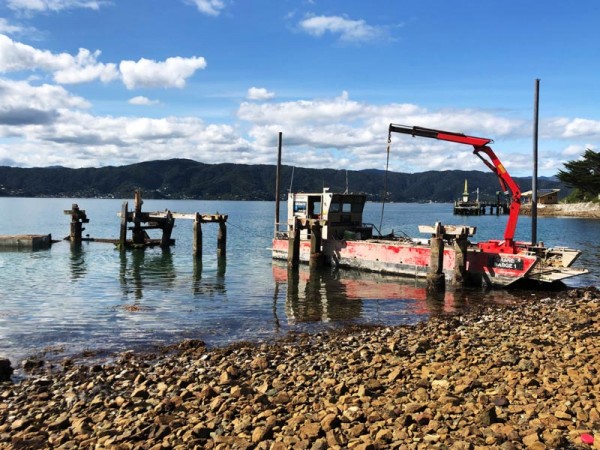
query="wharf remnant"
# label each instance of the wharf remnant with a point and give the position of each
(78, 218)
(458, 235)
(165, 221)
(139, 222)
(26, 242)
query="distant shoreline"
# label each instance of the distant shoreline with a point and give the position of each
(587, 210)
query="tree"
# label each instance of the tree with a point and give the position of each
(583, 175)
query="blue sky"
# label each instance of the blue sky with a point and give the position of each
(88, 83)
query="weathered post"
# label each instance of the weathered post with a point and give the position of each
(167, 229)
(316, 256)
(435, 276)
(138, 232)
(78, 218)
(123, 233)
(460, 258)
(222, 239)
(197, 245)
(294, 245)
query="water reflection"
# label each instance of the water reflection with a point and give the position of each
(77, 265)
(141, 269)
(329, 295)
(209, 286)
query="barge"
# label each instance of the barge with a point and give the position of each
(328, 227)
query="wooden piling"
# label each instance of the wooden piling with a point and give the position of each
(435, 276)
(316, 257)
(78, 218)
(222, 240)
(294, 245)
(167, 229)
(460, 260)
(139, 235)
(197, 245)
(76, 230)
(123, 231)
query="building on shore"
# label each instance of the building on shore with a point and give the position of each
(544, 196)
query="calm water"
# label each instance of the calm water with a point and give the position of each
(67, 300)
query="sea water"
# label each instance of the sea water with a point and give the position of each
(95, 299)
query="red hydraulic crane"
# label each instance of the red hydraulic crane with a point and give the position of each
(480, 146)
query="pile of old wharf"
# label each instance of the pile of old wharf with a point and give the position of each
(139, 222)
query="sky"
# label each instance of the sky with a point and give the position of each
(91, 83)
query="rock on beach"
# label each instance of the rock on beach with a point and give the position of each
(6, 369)
(523, 376)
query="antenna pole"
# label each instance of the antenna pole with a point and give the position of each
(277, 180)
(534, 196)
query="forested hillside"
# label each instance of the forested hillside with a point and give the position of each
(182, 178)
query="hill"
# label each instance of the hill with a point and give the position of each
(187, 179)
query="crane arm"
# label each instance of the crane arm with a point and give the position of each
(480, 146)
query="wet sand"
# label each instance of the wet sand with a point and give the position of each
(506, 377)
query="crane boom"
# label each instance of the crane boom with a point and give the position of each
(480, 146)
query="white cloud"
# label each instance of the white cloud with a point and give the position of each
(172, 72)
(53, 5)
(573, 150)
(255, 93)
(343, 129)
(347, 29)
(15, 56)
(50, 126)
(582, 127)
(67, 69)
(143, 101)
(209, 7)
(20, 94)
(7, 28)
(85, 67)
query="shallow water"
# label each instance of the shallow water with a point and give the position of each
(68, 299)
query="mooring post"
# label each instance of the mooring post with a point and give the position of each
(294, 245)
(138, 232)
(460, 259)
(197, 245)
(316, 256)
(222, 239)
(435, 276)
(78, 218)
(123, 233)
(168, 224)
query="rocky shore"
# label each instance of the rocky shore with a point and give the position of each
(587, 210)
(506, 377)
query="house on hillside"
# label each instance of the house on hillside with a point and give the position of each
(544, 196)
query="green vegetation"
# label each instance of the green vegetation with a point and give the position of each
(187, 179)
(583, 175)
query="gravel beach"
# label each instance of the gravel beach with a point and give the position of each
(506, 377)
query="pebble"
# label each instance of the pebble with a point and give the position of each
(520, 376)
